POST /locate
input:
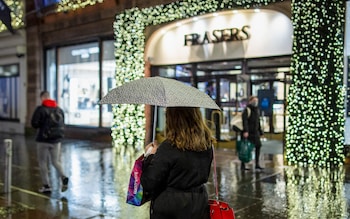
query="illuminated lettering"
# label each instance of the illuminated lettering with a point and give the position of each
(218, 36)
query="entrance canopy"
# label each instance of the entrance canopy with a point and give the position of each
(233, 34)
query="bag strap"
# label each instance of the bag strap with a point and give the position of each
(215, 177)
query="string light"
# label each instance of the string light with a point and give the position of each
(315, 133)
(71, 5)
(17, 10)
(17, 14)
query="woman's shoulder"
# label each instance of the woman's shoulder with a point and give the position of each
(166, 145)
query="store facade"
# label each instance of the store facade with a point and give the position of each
(13, 71)
(230, 55)
(133, 47)
(76, 63)
(12, 82)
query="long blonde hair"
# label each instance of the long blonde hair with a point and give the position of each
(186, 129)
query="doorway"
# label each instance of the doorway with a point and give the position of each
(230, 83)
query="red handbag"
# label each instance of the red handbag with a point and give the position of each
(219, 209)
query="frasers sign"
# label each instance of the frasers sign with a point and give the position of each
(221, 36)
(217, 36)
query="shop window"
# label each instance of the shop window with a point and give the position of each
(74, 79)
(78, 84)
(51, 80)
(9, 80)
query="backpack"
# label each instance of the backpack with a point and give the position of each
(237, 123)
(54, 124)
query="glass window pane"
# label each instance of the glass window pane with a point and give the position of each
(9, 97)
(168, 72)
(108, 80)
(78, 84)
(51, 73)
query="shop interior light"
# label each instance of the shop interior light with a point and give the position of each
(282, 70)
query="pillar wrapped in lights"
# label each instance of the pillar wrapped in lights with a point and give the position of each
(129, 123)
(316, 96)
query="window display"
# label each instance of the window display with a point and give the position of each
(78, 80)
(9, 80)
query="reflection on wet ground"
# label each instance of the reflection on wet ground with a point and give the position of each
(99, 177)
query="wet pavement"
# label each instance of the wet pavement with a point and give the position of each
(99, 178)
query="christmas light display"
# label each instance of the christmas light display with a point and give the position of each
(71, 5)
(315, 133)
(129, 28)
(17, 14)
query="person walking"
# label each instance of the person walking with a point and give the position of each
(252, 129)
(48, 119)
(175, 172)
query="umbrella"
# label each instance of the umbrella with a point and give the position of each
(159, 91)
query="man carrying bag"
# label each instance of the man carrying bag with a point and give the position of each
(251, 129)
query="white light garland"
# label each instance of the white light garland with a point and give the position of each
(316, 97)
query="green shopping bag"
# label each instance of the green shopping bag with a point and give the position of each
(244, 150)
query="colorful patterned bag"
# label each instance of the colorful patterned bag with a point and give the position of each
(135, 195)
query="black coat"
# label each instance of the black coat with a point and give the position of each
(251, 124)
(39, 118)
(176, 181)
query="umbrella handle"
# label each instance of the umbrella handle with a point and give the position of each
(154, 122)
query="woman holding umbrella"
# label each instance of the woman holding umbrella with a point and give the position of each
(175, 172)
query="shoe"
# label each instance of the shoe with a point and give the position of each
(243, 168)
(64, 184)
(45, 189)
(259, 168)
(65, 181)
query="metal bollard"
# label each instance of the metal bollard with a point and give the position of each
(8, 165)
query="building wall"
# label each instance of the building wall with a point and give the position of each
(12, 51)
(47, 29)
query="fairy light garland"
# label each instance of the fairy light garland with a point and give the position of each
(17, 14)
(129, 29)
(71, 5)
(17, 10)
(316, 96)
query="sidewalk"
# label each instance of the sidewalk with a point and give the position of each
(99, 179)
